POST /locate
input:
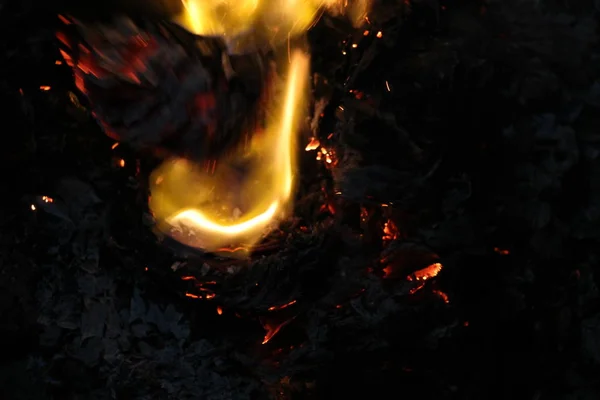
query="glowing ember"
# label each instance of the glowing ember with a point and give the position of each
(313, 144)
(500, 251)
(442, 296)
(273, 328)
(281, 307)
(417, 288)
(390, 231)
(236, 199)
(428, 272)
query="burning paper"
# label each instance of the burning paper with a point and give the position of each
(236, 199)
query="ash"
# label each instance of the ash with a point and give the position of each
(444, 245)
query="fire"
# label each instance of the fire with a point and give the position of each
(428, 272)
(236, 200)
(276, 19)
(218, 17)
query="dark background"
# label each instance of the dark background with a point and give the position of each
(502, 96)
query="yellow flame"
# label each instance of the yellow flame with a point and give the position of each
(275, 19)
(246, 192)
(218, 17)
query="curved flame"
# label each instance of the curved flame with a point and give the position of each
(235, 201)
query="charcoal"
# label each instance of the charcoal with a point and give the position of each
(156, 87)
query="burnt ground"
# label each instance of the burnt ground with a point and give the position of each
(484, 151)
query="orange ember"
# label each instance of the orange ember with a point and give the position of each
(442, 296)
(428, 272)
(500, 251)
(390, 231)
(417, 288)
(387, 271)
(313, 144)
(281, 307)
(273, 328)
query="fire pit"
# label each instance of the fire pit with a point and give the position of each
(309, 201)
(197, 195)
(197, 200)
